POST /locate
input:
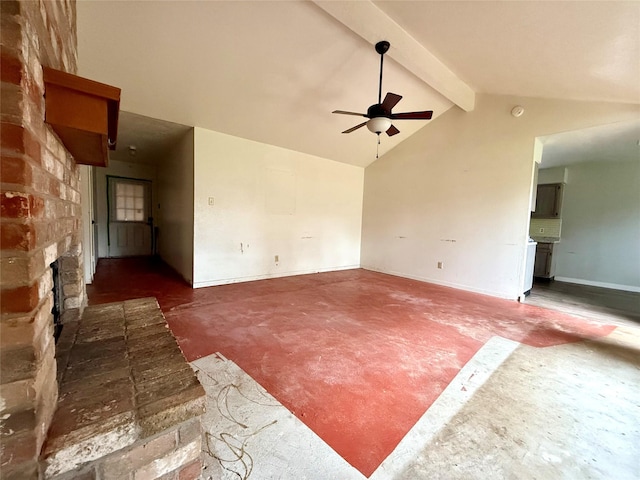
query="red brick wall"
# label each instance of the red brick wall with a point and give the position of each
(40, 221)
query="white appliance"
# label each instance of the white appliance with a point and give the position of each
(528, 271)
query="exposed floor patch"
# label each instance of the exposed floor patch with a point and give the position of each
(470, 378)
(250, 435)
(564, 412)
(514, 411)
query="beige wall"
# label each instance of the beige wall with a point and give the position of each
(175, 196)
(459, 192)
(268, 202)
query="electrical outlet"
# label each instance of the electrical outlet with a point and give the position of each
(440, 265)
(210, 200)
(541, 230)
(277, 258)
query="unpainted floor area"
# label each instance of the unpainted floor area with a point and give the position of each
(357, 374)
(615, 307)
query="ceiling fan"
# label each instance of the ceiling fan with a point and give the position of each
(380, 115)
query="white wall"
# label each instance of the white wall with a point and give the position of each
(459, 192)
(271, 201)
(552, 175)
(141, 171)
(175, 219)
(601, 226)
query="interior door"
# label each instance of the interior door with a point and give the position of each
(130, 222)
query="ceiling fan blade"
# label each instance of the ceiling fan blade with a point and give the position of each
(355, 128)
(426, 115)
(342, 112)
(390, 101)
(392, 131)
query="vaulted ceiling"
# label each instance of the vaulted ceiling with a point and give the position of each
(273, 71)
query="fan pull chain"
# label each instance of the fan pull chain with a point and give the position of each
(378, 147)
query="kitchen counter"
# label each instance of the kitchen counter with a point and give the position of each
(546, 239)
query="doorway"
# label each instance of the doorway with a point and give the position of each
(130, 224)
(588, 241)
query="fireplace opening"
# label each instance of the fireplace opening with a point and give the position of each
(57, 300)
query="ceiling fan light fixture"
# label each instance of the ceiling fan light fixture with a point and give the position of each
(380, 114)
(379, 124)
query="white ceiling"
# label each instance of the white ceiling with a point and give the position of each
(577, 50)
(149, 138)
(273, 71)
(618, 142)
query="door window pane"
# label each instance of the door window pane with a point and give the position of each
(129, 202)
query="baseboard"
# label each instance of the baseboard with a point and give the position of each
(457, 286)
(227, 281)
(613, 286)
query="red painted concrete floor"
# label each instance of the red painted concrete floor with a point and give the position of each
(357, 356)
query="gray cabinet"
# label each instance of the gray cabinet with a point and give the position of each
(548, 201)
(543, 266)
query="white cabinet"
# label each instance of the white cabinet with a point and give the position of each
(528, 272)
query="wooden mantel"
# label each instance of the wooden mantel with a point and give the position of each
(84, 114)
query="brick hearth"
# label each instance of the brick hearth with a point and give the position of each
(129, 404)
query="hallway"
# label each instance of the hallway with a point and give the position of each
(380, 368)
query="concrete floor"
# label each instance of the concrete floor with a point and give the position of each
(357, 374)
(512, 412)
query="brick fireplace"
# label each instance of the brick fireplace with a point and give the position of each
(40, 223)
(68, 290)
(42, 410)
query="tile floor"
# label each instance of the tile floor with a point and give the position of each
(366, 371)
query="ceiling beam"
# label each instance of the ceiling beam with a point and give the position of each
(373, 25)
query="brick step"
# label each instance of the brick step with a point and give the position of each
(129, 403)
